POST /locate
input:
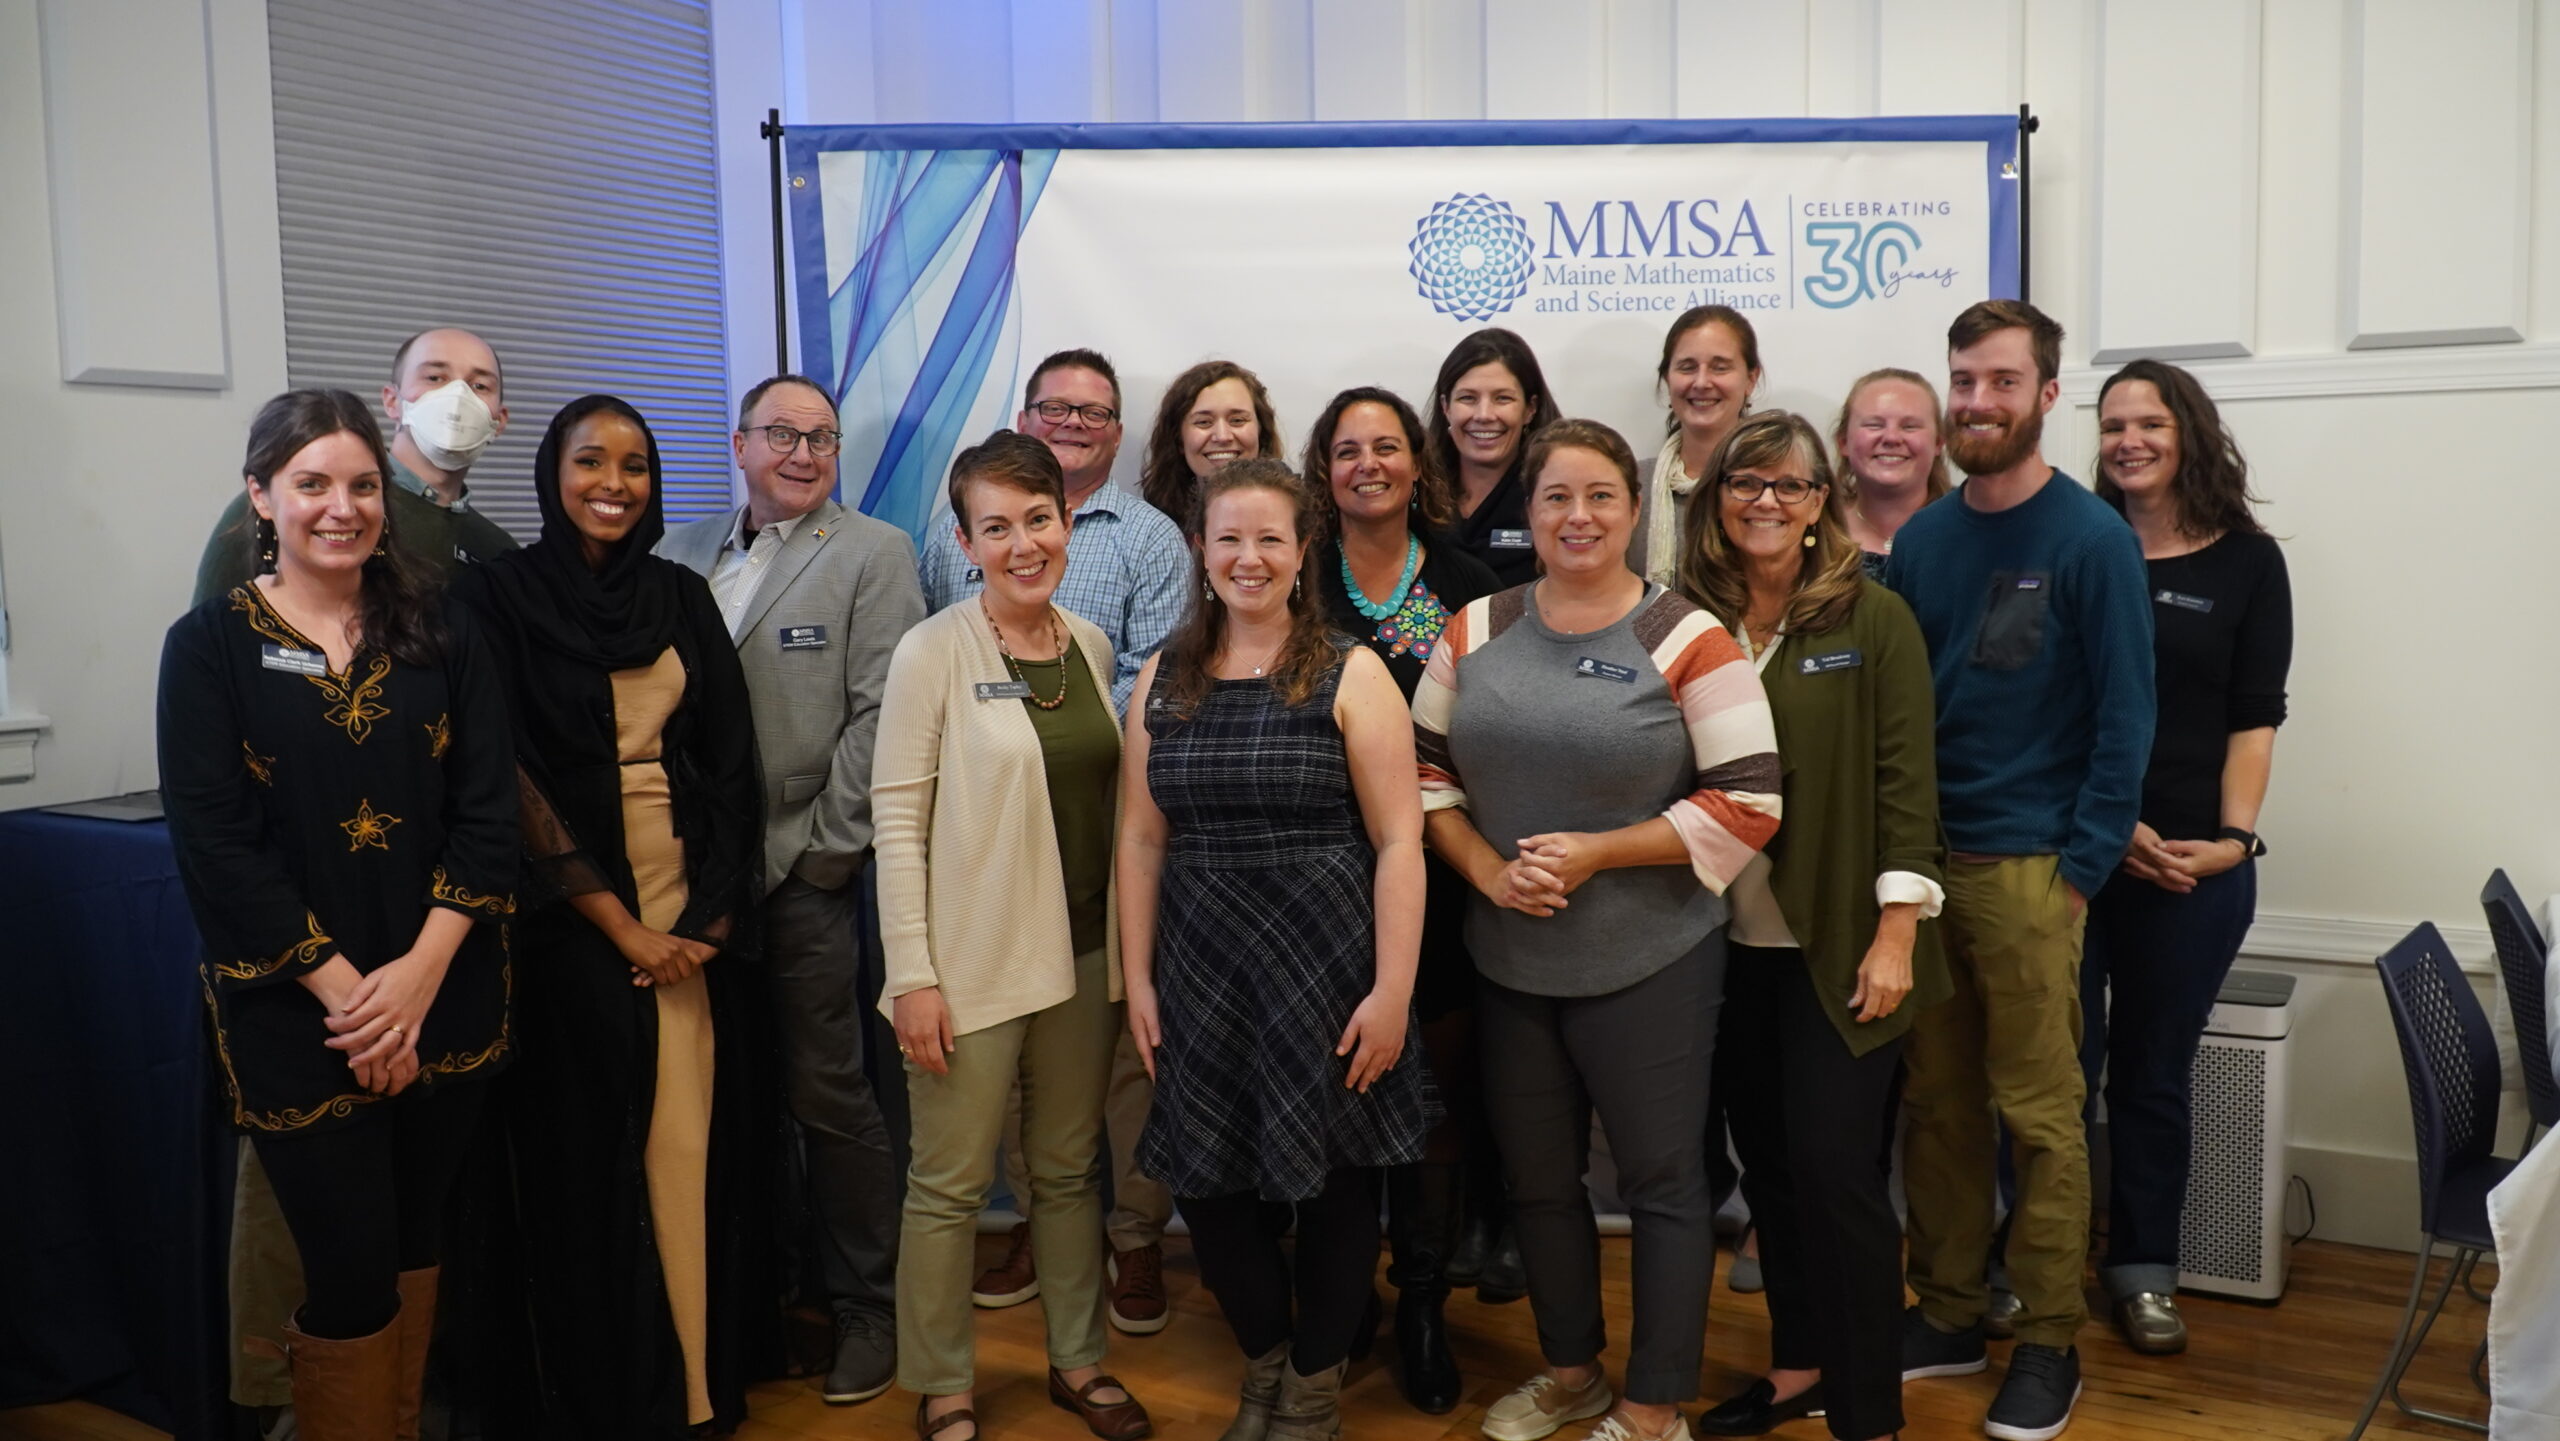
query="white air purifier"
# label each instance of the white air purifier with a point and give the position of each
(2231, 1239)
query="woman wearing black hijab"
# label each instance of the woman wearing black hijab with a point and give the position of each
(632, 1154)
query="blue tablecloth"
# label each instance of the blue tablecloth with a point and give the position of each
(111, 1256)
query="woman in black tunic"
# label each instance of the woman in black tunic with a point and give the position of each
(341, 791)
(621, 1280)
(1270, 871)
(1488, 399)
(1391, 579)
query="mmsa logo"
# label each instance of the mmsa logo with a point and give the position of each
(1472, 257)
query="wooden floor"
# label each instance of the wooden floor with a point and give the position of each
(2295, 1372)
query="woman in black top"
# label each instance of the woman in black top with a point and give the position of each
(1391, 579)
(341, 790)
(621, 1283)
(2164, 929)
(1489, 398)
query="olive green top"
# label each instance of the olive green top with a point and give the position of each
(1857, 752)
(1080, 749)
(442, 537)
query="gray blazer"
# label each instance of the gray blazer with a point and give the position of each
(815, 641)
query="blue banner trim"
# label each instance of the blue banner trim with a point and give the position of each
(805, 141)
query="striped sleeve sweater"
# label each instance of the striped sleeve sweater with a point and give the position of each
(1532, 730)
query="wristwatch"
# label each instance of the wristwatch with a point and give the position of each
(2248, 840)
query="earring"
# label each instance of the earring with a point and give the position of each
(1205, 592)
(1808, 537)
(382, 542)
(266, 537)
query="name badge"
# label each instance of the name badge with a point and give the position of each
(1622, 674)
(804, 637)
(1509, 540)
(2031, 582)
(1836, 660)
(1004, 690)
(293, 662)
(975, 576)
(2201, 605)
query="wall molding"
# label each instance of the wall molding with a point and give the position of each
(2323, 940)
(18, 736)
(2363, 372)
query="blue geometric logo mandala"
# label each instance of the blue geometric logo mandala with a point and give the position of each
(1472, 257)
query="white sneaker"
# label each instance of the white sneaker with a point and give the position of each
(1542, 1403)
(1617, 1429)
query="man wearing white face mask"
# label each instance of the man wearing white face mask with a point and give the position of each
(447, 402)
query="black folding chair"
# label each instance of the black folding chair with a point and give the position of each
(2522, 955)
(2452, 1064)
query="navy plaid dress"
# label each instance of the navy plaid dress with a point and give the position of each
(1265, 944)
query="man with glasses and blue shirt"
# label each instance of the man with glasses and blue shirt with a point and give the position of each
(1125, 573)
(816, 598)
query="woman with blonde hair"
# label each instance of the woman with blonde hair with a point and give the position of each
(1828, 954)
(1892, 437)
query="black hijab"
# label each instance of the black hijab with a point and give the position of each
(616, 616)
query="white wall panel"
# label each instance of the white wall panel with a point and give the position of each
(1840, 57)
(1201, 58)
(1641, 58)
(1545, 59)
(137, 235)
(2545, 183)
(1132, 61)
(2176, 196)
(2439, 118)
(1366, 59)
(1741, 58)
(2299, 175)
(1950, 57)
(1060, 53)
(950, 61)
(1453, 59)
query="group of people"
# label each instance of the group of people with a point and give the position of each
(1292, 840)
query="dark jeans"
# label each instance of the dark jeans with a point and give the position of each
(1805, 1114)
(1643, 1057)
(855, 1181)
(1314, 1305)
(365, 1201)
(2153, 964)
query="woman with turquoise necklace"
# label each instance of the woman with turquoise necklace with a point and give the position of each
(1391, 580)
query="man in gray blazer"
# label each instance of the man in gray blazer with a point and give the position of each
(816, 597)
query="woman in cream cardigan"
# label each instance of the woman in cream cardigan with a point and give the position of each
(993, 791)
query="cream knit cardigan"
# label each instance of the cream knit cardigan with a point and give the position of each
(972, 896)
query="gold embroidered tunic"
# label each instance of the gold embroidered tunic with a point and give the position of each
(319, 813)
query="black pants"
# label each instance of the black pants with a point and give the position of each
(2153, 964)
(1642, 1057)
(365, 1201)
(1237, 1243)
(856, 1185)
(1805, 1115)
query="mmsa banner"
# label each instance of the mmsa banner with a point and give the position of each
(934, 265)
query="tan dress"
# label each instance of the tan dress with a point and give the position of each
(679, 1148)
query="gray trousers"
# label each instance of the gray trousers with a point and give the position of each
(1642, 1057)
(855, 1180)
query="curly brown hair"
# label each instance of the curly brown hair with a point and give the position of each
(2212, 483)
(1435, 503)
(1166, 479)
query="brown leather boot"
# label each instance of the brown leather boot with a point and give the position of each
(417, 1327)
(344, 1390)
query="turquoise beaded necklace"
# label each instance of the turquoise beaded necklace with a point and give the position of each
(1395, 598)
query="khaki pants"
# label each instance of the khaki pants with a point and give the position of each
(1062, 1058)
(266, 1286)
(2005, 1046)
(1140, 1205)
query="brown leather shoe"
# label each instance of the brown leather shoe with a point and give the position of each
(1011, 1281)
(928, 1427)
(1112, 1421)
(344, 1390)
(1137, 1290)
(417, 1325)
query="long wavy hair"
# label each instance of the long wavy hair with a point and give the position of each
(1435, 502)
(1166, 479)
(399, 612)
(1939, 482)
(1491, 345)
(1183, 678)
(1711, 573)
(2212, 483)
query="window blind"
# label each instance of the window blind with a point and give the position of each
(540, 172)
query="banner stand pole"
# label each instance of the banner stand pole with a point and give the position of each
(2027, 126)
(771, 132)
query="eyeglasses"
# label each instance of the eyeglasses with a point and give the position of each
(1056, 412)
(785, 440)
(1748, 488)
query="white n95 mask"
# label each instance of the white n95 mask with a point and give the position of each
(451, 425)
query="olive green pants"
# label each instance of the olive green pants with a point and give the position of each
(1062, 1057)
(2004, 1050)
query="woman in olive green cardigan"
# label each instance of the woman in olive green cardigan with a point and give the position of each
(1828, 953)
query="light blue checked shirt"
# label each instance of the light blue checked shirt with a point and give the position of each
(1125, 573)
